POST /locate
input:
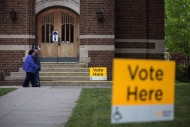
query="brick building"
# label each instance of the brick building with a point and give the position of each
(128, 29)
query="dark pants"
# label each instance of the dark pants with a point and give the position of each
(36, 78)
(29, 77)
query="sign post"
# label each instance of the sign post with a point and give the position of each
(143, 91)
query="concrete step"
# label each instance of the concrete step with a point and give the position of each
(58, 74)
(64, 74)
(76, 83)
(23, 74)
(64, 78)
(15, 74)
(59, 83)
(53, 78)
(63, 65)
(64, 70)
(21, 70)
(14, 78)
(66, 67)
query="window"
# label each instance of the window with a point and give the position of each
(47, 28)
(67, 28)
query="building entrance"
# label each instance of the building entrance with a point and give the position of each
(63, 47)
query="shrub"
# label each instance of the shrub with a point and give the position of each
(182, 73)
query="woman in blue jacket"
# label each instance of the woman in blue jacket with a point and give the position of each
(29, 67)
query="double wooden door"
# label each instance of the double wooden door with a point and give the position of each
(63, 48)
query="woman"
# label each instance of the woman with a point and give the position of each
(29, 67)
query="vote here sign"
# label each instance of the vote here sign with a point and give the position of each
(98, 73)
(143, 90)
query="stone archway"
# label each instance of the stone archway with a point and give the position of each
(72, 4)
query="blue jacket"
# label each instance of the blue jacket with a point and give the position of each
(29, 65)
(37, 60)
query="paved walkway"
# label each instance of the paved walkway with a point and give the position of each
(38, 107)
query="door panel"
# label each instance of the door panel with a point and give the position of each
(66, 23)
(48, 50)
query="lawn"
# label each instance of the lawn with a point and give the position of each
(4, 91)
(93, 109)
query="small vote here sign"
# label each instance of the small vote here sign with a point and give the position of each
(98, 73)
(143, 90)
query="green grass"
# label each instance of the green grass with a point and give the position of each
(94, 107)
(4, 91)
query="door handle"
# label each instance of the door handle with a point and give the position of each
(59, 41)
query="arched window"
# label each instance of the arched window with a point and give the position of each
(67, 28)
(47, 28)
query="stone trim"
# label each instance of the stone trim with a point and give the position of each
(159, 46)
(97, 36)
(130, 40)
(72, 4)
(18, 36)
(139, 40)
(97, 47)
(85, 48)
(134, 50)
(14, 47)
(26, 48)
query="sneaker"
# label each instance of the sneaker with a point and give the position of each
(35, 85)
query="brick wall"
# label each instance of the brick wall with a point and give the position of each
(135, 19)
(156, 19)
(139, 20)
(23, 21)
(90, 26)
(131, 19)
(12, 60)
(139, 55)
(88, 21)
(14, 41)
(102, 59)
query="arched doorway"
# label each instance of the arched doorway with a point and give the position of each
(66, 47)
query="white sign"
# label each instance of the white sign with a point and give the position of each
(142, 91)
(55, 36)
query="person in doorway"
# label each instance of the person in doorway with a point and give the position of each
(29, 67)
(36, 80)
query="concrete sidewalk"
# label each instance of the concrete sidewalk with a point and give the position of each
(38, 107)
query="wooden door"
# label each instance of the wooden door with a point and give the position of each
(65, 22)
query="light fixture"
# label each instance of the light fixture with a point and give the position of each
(99, 15)
(13, 14)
